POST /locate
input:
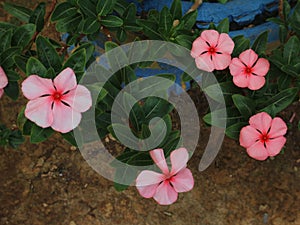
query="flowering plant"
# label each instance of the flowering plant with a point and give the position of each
(255, 85)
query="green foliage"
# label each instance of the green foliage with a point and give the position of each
(13, 138)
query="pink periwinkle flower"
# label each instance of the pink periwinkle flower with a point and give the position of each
(264, 136)
(212, 50)
(58, 103)
(248, 70)
(3, 81)
(164, 187)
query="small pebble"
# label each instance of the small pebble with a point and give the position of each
(168, 213)
(73, 148)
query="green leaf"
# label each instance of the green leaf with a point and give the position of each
(47, 54)
(63, 10)
(295, 18)
(77, 61)
(19, 12)
(89, 48)
(156, 107)
(34, 66)
(69, 137)
(286, 10)
(90, 26)
(121, 35)
(283, 33)
(12, 75)
(39, 134)
(291, 49)
(280, 101)
(130, 13)
(245, 105)
(88, 7)
(69, 24)
(223, 26)
(290, 70)
(38, 15)
(165, 22)
(5, 40)
(7, 56)
(4, 26)
(23, 35)
(126, 175)
(284, 81)
(111, 21)
(176, 10)
(190, 19)
(228, 116)
(21, 62)
(12, 90)
(260, 44)
(105, 7)
(150, 29)
(233, 131)
(241, 44)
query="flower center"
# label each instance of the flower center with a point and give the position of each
(57, 96)
(248, 70)
(264, 138)
(212, 50)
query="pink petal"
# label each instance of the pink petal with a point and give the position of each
(3, 78)
(258, 151)
(1, 92)
(248, 57)
(165, 194)
(261, 67)
(261, 121)
(39, 111)
(221, 61)
(147, 183)
(236, 67)
(64, 118)
(248, 136)
(241, 80)
(79, 99)
(225, 44)
(211, 37)
(274, 146)
(205, 63)
(256, 82)
(278, 128)
(65, 81)
(159, 158)
(183, 181)
(35, 86)
(179, 159)
(199, 46)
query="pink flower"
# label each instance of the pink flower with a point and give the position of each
(3, 81)
(212, 50)
(249, 71)
(264, 136)
(164, 187)
(58, 103)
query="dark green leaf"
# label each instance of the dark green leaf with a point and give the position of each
(7, 56)
(88, 7)
(12, 90)
(245, 105)
(291, 49)
(5, 40)
(111, 21)
(165, 22)
(176, 10)
(189, 19)
(69, 24)
(150, 29)
(130, 13)
(234, 130)
(69, 137)
(223, 26)
(121, 35)
(38, 15)
(23, 35)
(105, 7)
(63, 10)
(90, 26)
(39, 134)
(241, 44)
(12, 75)
(77, 61)
(21, 61)
(4, 26)
(35, 67)
(260, 44)
(19, 12)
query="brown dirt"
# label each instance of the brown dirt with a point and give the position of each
(50, 183)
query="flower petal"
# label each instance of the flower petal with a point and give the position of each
(3, 78)
(159, 158)
(147, 182)
(165, 194)
(199, 46)
(261, 121)
(225, 44)
(211, 37)
(221, 61)
(236, 67)
(278, 128)
(179, 159)
(183, 181)
(258, 151)
(261, 67)
(256, 82)
(35, 86)
(64, 118)
(274, 146)
(248, 136)
(39, 111)
(65, 80)
(241, 80)
(205, 63)
(248, 57)
(79, 99)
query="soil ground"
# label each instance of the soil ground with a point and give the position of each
(50, 183)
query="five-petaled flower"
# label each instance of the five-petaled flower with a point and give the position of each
(264, 136)
(248, 70)
(3, 81)
(58, 103)
(212, 50)
(164, 187)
